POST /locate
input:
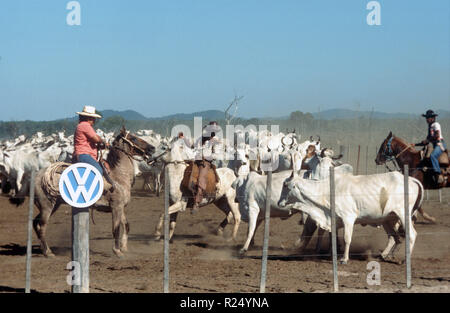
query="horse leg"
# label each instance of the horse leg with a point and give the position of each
(177, 206)
(117, 212)
(126, 230)
(40, 222)
(224, 224)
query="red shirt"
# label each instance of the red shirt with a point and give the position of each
(83, 140)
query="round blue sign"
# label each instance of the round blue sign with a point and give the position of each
(81, 185)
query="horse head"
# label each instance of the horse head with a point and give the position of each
(132, 145)
(385, 153)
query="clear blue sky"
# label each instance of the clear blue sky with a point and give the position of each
(169, 56)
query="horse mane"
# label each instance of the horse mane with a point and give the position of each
(113, 157)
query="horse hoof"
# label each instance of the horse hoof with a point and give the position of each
(157, 238)
(343, 262)
(118, 253)
(242, 252)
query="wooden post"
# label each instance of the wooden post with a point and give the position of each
(80, 247)
(376, 166)
(440, 195)
(262, 286)
(333, 230)
(166, 230)
(357, 161)
(367, 159)
(348, 154)
(407, 227)
(30, 235)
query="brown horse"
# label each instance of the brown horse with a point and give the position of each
(124, 149)
(396, 149)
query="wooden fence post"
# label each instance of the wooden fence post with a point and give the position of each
(80, 247)
(333, 230)
(166, 230)
(262, 286)
(30, 235)
(407, 227)
(367, 159)
(357, 161)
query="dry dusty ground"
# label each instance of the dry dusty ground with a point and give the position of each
(202, 262)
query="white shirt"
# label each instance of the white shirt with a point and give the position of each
(436, 127)
(210, 149)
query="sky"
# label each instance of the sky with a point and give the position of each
(160, 57)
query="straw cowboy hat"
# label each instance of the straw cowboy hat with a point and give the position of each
(429, 113)
(89, 111)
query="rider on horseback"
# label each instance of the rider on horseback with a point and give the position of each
(204, 158)
(87, 142)
(435, 138)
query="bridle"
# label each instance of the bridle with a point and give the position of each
(388, 154)
(133, 146)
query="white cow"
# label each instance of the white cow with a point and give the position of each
(373, 199)
(251, 196)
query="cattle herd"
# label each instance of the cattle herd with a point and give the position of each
(300, 182)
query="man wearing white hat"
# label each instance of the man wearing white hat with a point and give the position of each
(86, 141)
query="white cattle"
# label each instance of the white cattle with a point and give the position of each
(372, 199)
(251, 196)
(152, 173)
(174, 157)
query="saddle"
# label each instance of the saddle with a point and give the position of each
(190, 182)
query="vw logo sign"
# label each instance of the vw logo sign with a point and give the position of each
(81, 185)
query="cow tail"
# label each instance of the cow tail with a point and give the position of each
(17, 200)
(420, 196)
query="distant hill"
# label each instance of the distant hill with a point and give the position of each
(351, 114)
(208, 114)
(129, 115)
(132, 115)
